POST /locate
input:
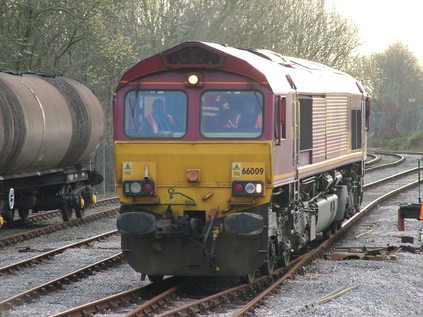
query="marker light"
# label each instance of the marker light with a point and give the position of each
(238, 188)
(193, 79)
(259, 188)
(147, 188)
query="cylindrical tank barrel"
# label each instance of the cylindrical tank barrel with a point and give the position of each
(46, 123)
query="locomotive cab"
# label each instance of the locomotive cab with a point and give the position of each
(216, 173)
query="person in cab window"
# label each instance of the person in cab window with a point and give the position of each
(159, 120)
(216, 112)
(251, 118)
(247, 118)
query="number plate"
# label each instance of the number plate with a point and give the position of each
(248, 170)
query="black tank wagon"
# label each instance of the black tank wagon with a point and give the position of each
(50, 126)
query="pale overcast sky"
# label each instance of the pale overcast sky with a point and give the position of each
(381, 22)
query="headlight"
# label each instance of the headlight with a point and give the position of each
(135, 188)
(250, 188)
(193, 79)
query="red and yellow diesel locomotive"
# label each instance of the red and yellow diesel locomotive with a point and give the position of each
(229, 160)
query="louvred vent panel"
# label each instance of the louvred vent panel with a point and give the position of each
(193, 56)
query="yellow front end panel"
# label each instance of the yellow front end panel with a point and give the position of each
(168, 164)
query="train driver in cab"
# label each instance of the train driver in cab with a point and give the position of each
(247, 117)
(159, 120)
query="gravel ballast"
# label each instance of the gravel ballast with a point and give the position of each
(391, 287)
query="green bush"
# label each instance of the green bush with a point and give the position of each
(412, 142)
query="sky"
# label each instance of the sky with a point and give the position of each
(382, 22)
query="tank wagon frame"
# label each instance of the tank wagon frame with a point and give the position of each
(212, 198)
(50, 126)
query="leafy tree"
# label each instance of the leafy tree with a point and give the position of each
(397, 89)
(84, 40)
(95, 41)
(302, 28)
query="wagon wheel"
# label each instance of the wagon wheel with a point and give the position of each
(87, 199)
(66, 212)
(66, 209)
(9, 210)
(8, 215)
(23, 213)
(80, 209)
(79, 212)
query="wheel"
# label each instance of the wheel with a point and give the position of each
(80, 210)
(336, 225)
(286, 257)
(269, 266)
(23, 213)
(249, 278)
(285, 252)
(66, 209)
(327, 233)
(66, 213)
(8, 215)
(155, 278)
(89, 199)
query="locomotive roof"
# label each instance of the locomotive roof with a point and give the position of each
(280, 73)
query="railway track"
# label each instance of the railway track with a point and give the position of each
(49, 254)
(257, 291)
(44, 230)
(371, 159)
(58, 283)
(371, 164)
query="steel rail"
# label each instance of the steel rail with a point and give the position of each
(323, 247)
(400, 160)
(396, 152)
(390, 178)
(375, 159)
(241, 291)
(154, 305)
(50, 286)
(229, 295)
(9, 240)
(49, 254)
(165, 290)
